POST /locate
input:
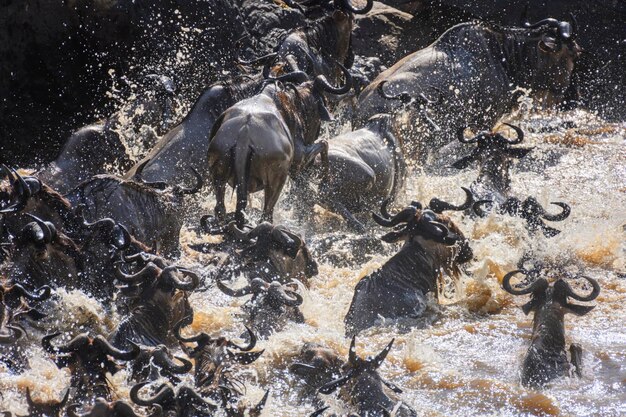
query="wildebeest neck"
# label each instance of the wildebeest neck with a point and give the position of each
(413, 267)
(299, 108)
(549, 328)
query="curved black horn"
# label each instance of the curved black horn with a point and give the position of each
(110, 350)
(460, 135)
(319, 412)
(76, 343)
(13, 336)
(246, 348)
(164, 394)
(169, 277)
(233, 293)
(592, 296)
(345, 4)
(185, 322)
(564, 214)
(439, 206)
(404, 97)
(49, 231)
(404, 216)
(322, 83)
(256, 61)
(163, 360)
(296, 77)
(379, 359)
(518, 131)
(149, 271)
(538, 285)
(42, 293)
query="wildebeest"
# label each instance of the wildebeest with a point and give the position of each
(186, 144)
(257, 143)
(156, 362)
(99, 148)
(273, 253)
(365, 386)
(316, 365)
(186, 402)
(89, 359)
(433, 243)
(315, 48)
(104, 408)
(214, 360)
(150, 211)
(365, 167)
(494, 154)
(271, 307)
(158, 295)
(546, 358)
(475, 66)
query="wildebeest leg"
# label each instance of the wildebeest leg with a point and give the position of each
(220, 192)
(343, 210)
(576, 358)
(272, 192)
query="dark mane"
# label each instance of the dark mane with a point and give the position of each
(321, 35)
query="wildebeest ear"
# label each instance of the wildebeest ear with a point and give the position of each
(464, 162)
(578, 309)
(548, 44)
(518, 152)
(392, 237)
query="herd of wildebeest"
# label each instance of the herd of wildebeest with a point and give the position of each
(72, 225)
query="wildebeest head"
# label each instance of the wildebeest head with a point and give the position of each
(41, 255)
(286, 250)
(551, 59)
(494, 153)
(45, 409)
(271, 306)
(89, 359)
(103, 408)
(546, 297)
(426, 224)
(365, 384)
(15, 194)
(529, 210)
(154, 362)
(184, 403)
(152, 277)
(177, 190)
(317, 365)
(215, 358)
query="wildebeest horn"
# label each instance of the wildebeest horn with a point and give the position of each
(73, 345)
(288, 241)
(322, 83)
(251, 344)
(191, 190)
(110, 350)
(246, 358)
(379, 359)
(296, 77)
(256, 411)
(164, 394)
(289, 298)
(184, 322)
(260, 60)
(331, 386)
(404, 97)
(169, 277)
(353, 358)
(163, 360)
(539, 285)
(460, 135)
(592, 296)
(319, 412)
(518, 131)
(234, 293)
(237, 232)
(159, 185)
(556, 217)
(49, 231)
(13, 336)
(150, 271)
(345, 4)
(439, 206)
(43, 293)
(574, 23)
(404, 216)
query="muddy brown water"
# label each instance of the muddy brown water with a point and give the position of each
(463, 357)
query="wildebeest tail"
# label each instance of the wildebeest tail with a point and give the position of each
(242, 160)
